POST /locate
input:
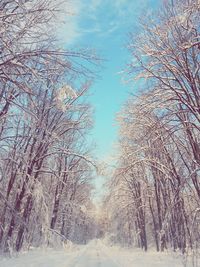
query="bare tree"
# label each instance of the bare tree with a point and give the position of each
(157, 173)
(44, 120)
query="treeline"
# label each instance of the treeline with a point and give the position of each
(45, 166)
(154, 195)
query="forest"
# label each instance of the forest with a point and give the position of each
(155, 185)
(47, 163)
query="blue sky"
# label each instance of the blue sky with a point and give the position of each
(104, 25)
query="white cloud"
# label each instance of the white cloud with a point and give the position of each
(68, 30)
(102, 17)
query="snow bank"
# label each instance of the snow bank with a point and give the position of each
(42, 257)
(94, 254)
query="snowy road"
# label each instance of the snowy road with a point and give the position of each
(95, 254)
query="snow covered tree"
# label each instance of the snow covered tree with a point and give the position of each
(44, 119)
(157, 173)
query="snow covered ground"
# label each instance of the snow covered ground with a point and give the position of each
(95, 254)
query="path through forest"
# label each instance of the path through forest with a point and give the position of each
(94, 254)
